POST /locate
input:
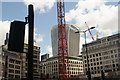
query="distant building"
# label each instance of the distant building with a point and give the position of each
(49, 67)
(44, 57)
(72, 38)
(104, 55)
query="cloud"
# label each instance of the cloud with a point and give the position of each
(38, 37)
(41, 5)
(49, 50)
(82, 41)
(95, 13)
(4, 28)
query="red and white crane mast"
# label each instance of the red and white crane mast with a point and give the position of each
(63, 66)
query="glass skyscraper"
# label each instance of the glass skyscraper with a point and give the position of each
(72, 38)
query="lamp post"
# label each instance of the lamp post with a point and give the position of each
(88, 68)
(30, 42)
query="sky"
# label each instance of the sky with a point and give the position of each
(99, 13)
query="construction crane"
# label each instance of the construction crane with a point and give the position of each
(63, 66)
(89, 31)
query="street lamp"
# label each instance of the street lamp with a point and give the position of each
(88, 71)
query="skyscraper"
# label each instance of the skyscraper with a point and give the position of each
(72, 38)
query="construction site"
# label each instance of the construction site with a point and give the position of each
(98, 60)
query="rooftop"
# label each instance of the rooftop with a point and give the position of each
(55, 58)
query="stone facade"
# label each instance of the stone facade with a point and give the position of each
(104, 55)
(49, 67)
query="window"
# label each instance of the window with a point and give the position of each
(112, 56)
(34, 56)
(11, 66)
(91, 64)
(91, 60)
(113, 65)
(97, 67)
(111, 51)
(92, 72)
(90, 56)
(17, 62)
(93, 55)
(114, 70)
(17, 77)
(94, 63)
(17, 72)
(97, 59)
(11, 76)
(96, 54)
(98, 71)
(84, 57)
(95, 72)
(115, 55)
(17, 67)
(92, 68)
(11, 71)
(11, 61)
(99, 54)
(97, 63)
(116, 64)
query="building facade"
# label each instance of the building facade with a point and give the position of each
(11, 64)
(49, 67)
(14, 64)
(72, 38)
(1, 63)
(103, 56)
(36, 60)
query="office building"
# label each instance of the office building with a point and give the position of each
(72, 38)
(14, 64)
(36, 60)
(11, 64)
(104, 55)
(49, 67)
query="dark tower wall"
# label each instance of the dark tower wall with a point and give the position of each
(16, 36)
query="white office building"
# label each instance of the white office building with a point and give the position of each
(49, 67)
(103, 55)
(72, 38)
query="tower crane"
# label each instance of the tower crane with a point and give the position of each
(63, 66)
(89, 31)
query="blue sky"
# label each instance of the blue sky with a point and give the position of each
(43, 21)
(74, 11)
